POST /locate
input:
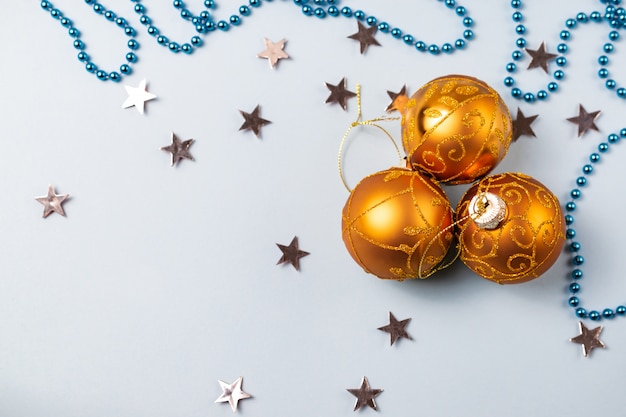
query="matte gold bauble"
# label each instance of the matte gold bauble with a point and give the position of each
(457, 128)
(511, 228)
(396, 224)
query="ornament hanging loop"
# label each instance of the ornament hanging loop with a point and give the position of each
(359, 122)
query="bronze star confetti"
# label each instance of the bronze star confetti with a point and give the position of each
(232, 393)
(253, 121)
(364, 395)
(291, 253)
(179, 149)
(521, 125)
(396, 328)
(589, 339)
(52, 202)
(585, 120)
(540, 58)
(273, 51)
(365, 36)
(339, 94)
(398, 100)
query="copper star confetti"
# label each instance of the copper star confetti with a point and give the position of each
(137, 96)
(365, 395)
(232, 393)
(291, 253)
(52, 202)
(585, 120)
(179, 149)
(273, 51)
(339, 94)
(398, 100)
(365, 36)
(540, 57)
(396, 328)
(253, 121)
(521, 125)
(589, 339)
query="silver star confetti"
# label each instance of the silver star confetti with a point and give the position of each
(585, 120)
(52, 202)
(137, 96)
(273, 51)
(364, 395)
(232, 393)
(589, 339)
(396, 328)
(179, 149)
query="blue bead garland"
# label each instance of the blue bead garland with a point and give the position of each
(614, 16)
(204, 24)
(578, 260)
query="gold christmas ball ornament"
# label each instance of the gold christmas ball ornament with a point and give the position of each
(456, 128)
(397, 224)
(511, 228)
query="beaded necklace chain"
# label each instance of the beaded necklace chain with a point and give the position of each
(204, 24)
(575, 247)
(615, 18)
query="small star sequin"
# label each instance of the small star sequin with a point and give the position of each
(365, 36)
(137, 96)
(398, 100)
(396, 328)
(179, 149)
(232, 393)
(589, 339)
(52, 202)
(521, 125)
(585, 120)
(540, 57)
(291, 253)
(339, 94)
(253, 121)
(365, 395)
(273, 51)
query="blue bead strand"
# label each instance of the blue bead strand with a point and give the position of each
(79, 45)
(578, 260)
(395, 32)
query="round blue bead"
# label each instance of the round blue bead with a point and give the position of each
(359, 15)
(612, 138)
(577, 274)
(621, 92)
(569, 219)
(603, 73)
(468, 34)
(433, 49)
(573, 301)
(608, 48)
(595, 16)
(542, 94)
(468, 22)
(517, 17)
(460, 11)
(45, 5)
(83, 56)
(447, 48)
(133, 44)
(346, 11)
(129, 31)
(459, 44)
(224, 26)
(607, 313)
(529, 97)
(579, 260)
(78, 44)
(90, 67)
(581, 181)
(186, 48)
(174, 47)
(622, 132)
(509, 81)
(319, 13)
(570, 233)
(152, 30)
(56, 13)
(516, 4)
(558, 75)
(383, 27)
(333, 11)
(620, 310)
(244, 10)
(253, 3)
(450, 3)
(115, 76)
(594, 315)
(613, 35)
(603, 60)
(371, 20)
(131, 57)
(570, 23)
(102, 75)
(561, 61)
(109, 15)
(516, 55)
(575, 193)
(209, 4)
(73, 32)
(65, 22)
(581, 17)
(396, 33)
(196, 41)
(553, 86)
(125, 69)
(594, 157)
(562, 48)
(581, 312)
(162, 40)
(408, 39)
(511, 67)
(587, 169)
(520, 42)
(520, 29)
(420, 46)
(139, 8)
(235, 20)
(145, 20)
(603, 147)
(565, 35)
(516, 92)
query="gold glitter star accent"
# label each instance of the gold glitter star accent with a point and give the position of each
(273, 51)
(253, 121)
(52, 202)
(396, 328)
(179, 149)
(540, 58)
(232, 393)
(521, 125)
(291, 253)
(589, 339)
(398, 100)
(365, 36)
(585, 120)
(339, 94)
(364, 395)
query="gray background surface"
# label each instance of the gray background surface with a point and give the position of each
(163, 280)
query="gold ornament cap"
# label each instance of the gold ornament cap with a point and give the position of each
(487, 210)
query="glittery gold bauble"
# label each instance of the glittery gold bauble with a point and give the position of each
(457, 128)
(527, 234)
(396, 224)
